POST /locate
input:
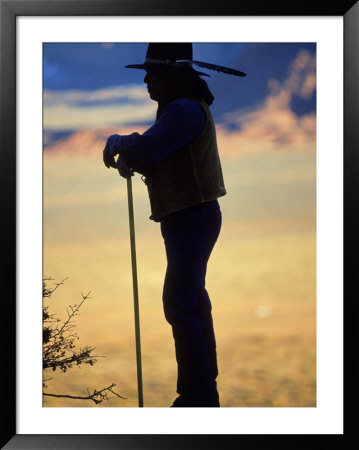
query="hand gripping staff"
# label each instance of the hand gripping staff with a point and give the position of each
(135, 290)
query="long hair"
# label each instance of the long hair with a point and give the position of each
(185, 82)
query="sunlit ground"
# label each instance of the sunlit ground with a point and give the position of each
(261, 279)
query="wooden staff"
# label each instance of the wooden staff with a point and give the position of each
(135, 291)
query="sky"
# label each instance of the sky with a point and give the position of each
(87, 87)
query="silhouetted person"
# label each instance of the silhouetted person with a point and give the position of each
(179, 160)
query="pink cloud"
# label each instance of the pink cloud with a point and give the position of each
(86, 142)
(272, 125)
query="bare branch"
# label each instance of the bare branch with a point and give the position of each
(74, 311)
(46, 292)
(59, 350)
(97, 396)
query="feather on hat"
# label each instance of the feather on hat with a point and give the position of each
(177, 55)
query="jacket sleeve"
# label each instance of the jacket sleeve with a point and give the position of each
(181, 123)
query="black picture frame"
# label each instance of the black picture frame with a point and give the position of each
(10, 9)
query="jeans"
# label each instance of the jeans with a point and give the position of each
(189, 237)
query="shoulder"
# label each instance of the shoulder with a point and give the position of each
(187, 104)
(188, 107)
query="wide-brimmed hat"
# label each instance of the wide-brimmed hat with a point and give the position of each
(171, 55)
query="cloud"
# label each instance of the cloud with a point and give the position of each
(79, 110)
(302, 78)
(86, 142)
(272, 125)
(266, 135)
(73, 97)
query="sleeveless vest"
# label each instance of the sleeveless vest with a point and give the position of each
(188, 176)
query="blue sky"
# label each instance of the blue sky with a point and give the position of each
(94, 66)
